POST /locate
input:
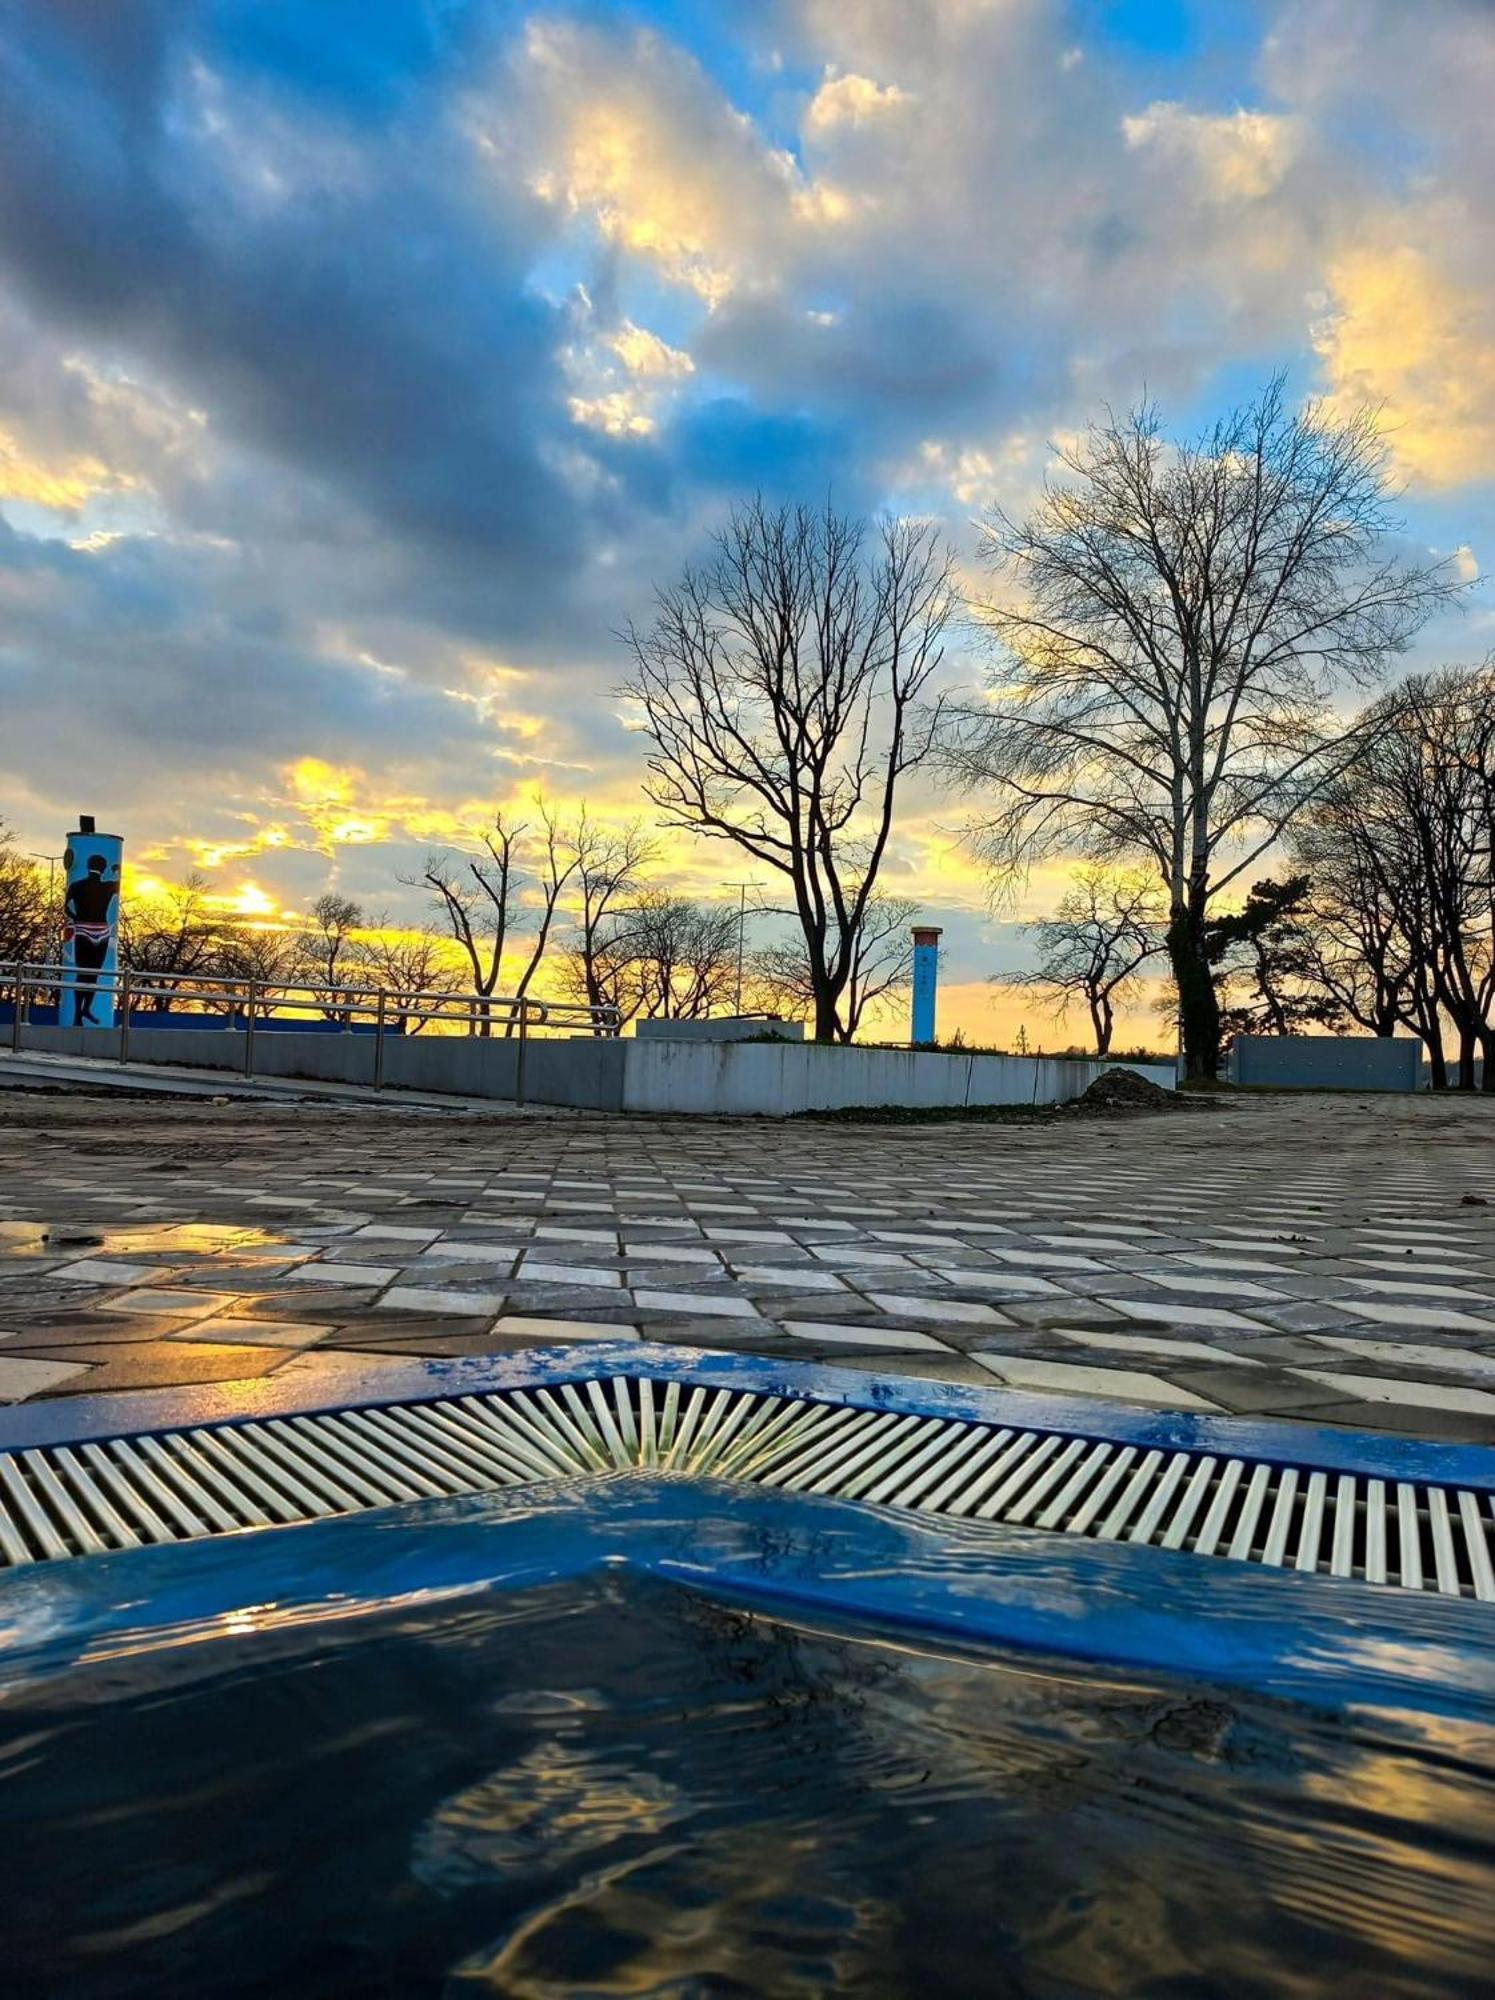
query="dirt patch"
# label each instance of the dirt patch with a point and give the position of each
(1128, 1090)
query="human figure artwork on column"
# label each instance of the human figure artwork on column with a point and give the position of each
(90, 927)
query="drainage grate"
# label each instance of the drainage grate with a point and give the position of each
(126, 1492)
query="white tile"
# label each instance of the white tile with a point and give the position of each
(536, 1324)
(347, 1274)
(99, 1271)
(851, 1256)
(395, 1231)
(183, 1304)
(1408, 1354)
(1404, 1267)
(937, 1309)
(917, 1239)
(557, 1233)
(904, 1337)
(1052, 1260)
(1179, 1315)
(670, 1253)
(1252, 1264)
(1152, 1343)
(20, 1379)
(697, 1302)
(718, 1235)
(1416, 1395)
(1222, 1288)
(1026, 1282)
(454, 1250)
(532, 1273)
(1069, 1378)
(801, 1278)
(433, 1299)
(1121, 1246)
(1411, 1288)
(258, 1332)
(1409, 1315)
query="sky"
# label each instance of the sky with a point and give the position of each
(364, 366)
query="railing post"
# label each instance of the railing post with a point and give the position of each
(520, 1059)
(249, 1033)
(379, 1041)
(122, 999)
(15, 1019)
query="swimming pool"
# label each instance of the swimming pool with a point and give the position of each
(650, 1733)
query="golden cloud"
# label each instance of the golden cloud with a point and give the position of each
(65, 485)
(1403, 333)
(849, 100)
(1236, 157)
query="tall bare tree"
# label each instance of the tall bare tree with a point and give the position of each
(329, 951)
(173, 938)
(1402, 851)
(28, 915)
(1176, 620)
(404, 964)
(476, 903)
(784, 686)
(881, 959)
(1106, 926)
(609, 861)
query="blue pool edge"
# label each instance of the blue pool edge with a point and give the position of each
(360, 1385)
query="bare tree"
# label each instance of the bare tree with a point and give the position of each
(1105, 928)
(173, 938)
(1178, 619)
(476, 903)
(609, 861)
(664, 957)
(561, 859)
(1402, 848)
(404, 964)
(28, 915)
(683, 954)
(268, 954)
(881, 962)
(782, 684)
(329, 950)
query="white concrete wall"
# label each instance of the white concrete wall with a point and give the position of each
(696, 1078)
(777, 1080)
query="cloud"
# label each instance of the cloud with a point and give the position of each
(850, 100)
(1401, 332)
(361, 370)
(1241, 156)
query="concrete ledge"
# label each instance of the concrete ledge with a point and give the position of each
(727, 1028)
(745, 1079)
(686, 1077)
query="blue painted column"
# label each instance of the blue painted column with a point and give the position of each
(926, 981)
(90, 927)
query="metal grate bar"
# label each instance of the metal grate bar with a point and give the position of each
(61, 1501)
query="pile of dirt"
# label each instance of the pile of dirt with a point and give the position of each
(1127, 1090)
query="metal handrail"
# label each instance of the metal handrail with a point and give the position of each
(246, 1000)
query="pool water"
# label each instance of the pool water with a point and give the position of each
(612, 1783)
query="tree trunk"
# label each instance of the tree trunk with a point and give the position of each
(1198, 1002)
(1101, 1021)
(1466, 1057)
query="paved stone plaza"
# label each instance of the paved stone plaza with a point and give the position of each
(1329, 1259)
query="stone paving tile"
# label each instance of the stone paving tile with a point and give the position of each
(159, 1364)
(1217, 1254)
(22, 1376)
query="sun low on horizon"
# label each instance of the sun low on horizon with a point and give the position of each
(366, 369)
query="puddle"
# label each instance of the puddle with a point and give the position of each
(208, 1239)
